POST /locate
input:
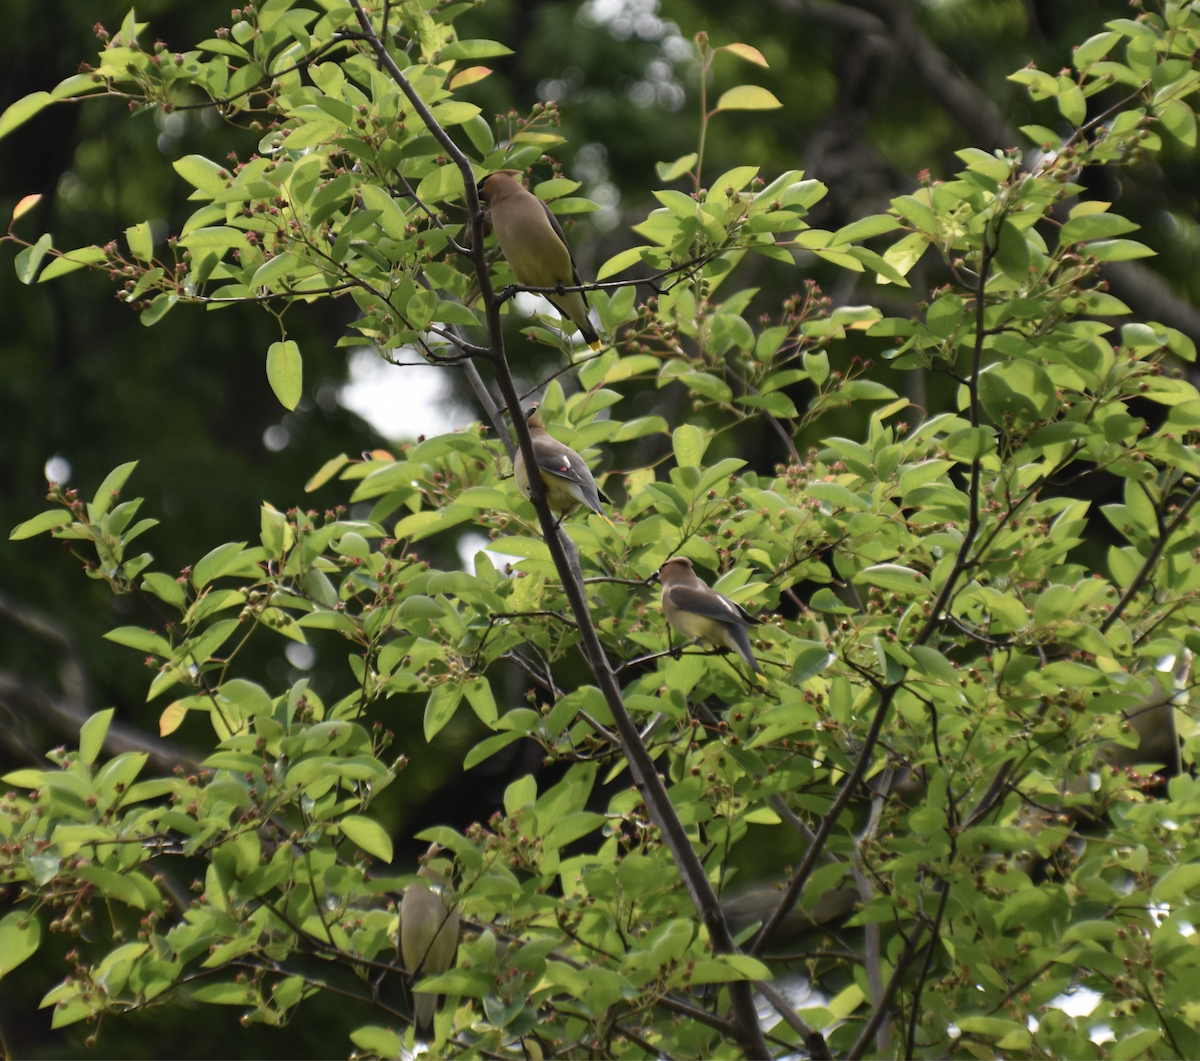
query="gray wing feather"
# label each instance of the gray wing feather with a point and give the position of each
(573, 469)
(563, 236)
(711, 605)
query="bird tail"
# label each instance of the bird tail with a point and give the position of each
(740, 643)
(424, 1010)
(593, 502)
(589, 334)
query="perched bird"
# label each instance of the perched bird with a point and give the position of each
(534, 245)
(565, 475)
(428, 939)
(697, 611)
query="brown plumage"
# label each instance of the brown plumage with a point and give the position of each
(428, 940)
(697, 611)
(567, 479)
(535, 247)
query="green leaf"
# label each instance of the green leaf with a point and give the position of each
(1094, 48)
(227, 994)
(475, 983)
(825, 600)
(1136, 1046)
(931, 662)
(944, 315)
(811, 661)
(1117, 250)
(454, 112)
(110, 488)
(274, 269)
(20, 935)
(474, 49)
(114, 885)
(142, 640)
(992, 1027)
(92, 734)
(1071, 103)
(440, 707)
(1180, 119)
(777, 404)
(669, 171)
(519, 793)
(816, 364)
(479, 132)
(1042, 136)
(30, 258)
(1041, 84)
(485, 749)
(201, 173)
(979, 161)
(482, 701)
(445, 182)
(971, 443)
(1012, 252)
(618, 263)
(141, 242)
(1176, 883)
(865, 228)
(70, 261)
(894, 577)
(1094, 226)
(326, 472)
(44, 521)
(847, 1001)
(382, 1042)
(689, 443)
(216, 240)
(215, 562)
(285, 372)
(310, 134)
(20, 112)
(747, 98)
(368, 835)
(158, 308)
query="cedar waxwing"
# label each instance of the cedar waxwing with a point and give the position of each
(428, 940)
(697, 611)
(534, 245)
(565, 475)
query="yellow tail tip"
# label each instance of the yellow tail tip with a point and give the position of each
(596, 345)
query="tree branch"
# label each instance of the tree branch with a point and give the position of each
(744, 1020)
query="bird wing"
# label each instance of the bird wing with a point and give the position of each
(568, 465)
(563, 236)
(710, 604)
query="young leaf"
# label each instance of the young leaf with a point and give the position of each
(669, 171)
(748, 98)
(26, 204)
(744, 51)
(285, 372)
